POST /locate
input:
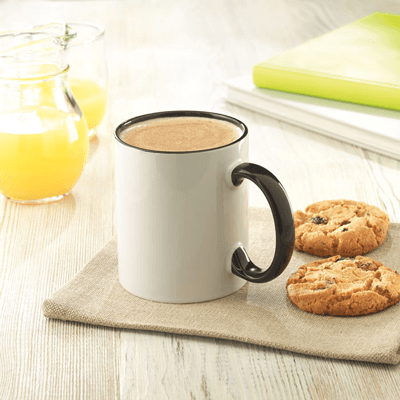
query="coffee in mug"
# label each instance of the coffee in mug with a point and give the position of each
(181, 134)
(182, 207)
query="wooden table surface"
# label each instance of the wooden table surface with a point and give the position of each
(165, 55)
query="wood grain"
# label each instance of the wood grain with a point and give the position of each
(166, 55)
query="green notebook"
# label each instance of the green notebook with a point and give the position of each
(358, 63)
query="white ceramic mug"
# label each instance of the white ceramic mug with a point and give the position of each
(182, 218)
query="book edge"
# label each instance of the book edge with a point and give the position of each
(391, 149)
(312, 74)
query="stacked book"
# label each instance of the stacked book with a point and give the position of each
(344, 84)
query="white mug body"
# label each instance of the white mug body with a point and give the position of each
(179, 219)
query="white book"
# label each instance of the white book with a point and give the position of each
(372, 128)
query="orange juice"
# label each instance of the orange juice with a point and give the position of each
(42, 152)
(92, 100)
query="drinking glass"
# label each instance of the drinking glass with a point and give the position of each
(88, 72)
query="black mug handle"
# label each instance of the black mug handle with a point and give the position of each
(284, 225)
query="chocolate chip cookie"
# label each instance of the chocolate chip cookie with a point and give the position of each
(340, 227)
(344, 287)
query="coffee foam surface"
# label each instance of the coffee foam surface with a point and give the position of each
(181, 134)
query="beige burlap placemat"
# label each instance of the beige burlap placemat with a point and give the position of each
(258, 313)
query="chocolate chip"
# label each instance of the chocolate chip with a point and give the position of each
(344, 230)
(340, 259)
(319, 220)
(368, 266)
(344, 223)
(367, 213)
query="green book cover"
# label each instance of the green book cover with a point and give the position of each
(357, 63)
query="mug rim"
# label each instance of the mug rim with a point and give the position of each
(180, 113)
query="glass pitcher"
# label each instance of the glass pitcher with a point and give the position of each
(43, 133)
(88, 68)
